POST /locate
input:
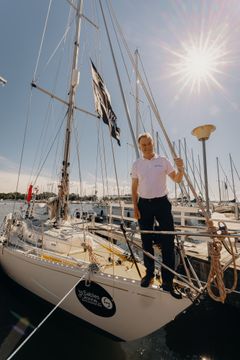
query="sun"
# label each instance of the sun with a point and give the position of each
(200, 62)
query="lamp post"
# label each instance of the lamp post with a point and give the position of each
(202, 133)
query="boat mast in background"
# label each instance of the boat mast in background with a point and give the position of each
(233, 182)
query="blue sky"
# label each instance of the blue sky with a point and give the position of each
(165, 33)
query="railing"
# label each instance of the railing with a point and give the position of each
(183, 215)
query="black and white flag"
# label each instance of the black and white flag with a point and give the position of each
(103, 104)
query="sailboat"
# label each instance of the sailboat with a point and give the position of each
(76, 270)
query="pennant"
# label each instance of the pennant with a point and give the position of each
(103, 104)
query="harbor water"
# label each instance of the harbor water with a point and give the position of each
(208, 331)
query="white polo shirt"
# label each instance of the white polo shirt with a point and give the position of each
(152, 176)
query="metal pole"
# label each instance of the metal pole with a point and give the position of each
(200, 173)
(205, 175)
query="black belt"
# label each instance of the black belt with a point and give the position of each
(154, 199)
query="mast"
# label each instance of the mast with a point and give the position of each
(63, 193)
(233, 183)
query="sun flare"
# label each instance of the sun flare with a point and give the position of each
(200, 63)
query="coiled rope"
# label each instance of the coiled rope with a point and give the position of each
(216, 274)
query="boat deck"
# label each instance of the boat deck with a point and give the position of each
(111, 259)
(195, 247)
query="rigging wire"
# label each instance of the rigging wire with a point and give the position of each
(45, 127)
(43, 36)
(77, 140)
(227, 180)
(147, 82)
(236, 170)
(120, 85)
(63, 39)
(97, 155)
(97, 48)
(191, 168)
(121, 52)
(28, 111)
(105, 162)
(49, 150)
(125, 66)
(101, 161)
(42, 136)
(162, 147)
(55, 50)
(23, 148)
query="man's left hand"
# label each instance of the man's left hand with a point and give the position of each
(179, 163)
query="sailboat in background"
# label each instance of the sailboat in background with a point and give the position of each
(67, 265)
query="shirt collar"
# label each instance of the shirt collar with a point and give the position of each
(155, 156)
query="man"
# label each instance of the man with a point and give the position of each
(150, 201)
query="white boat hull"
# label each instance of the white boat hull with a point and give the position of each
(118, 306)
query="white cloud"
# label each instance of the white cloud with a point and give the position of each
(8, 181)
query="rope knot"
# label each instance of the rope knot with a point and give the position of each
(215, 276)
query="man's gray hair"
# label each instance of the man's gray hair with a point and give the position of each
(146, 135)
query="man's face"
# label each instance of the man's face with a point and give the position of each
(146, 146)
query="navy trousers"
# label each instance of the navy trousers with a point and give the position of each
(159, 209)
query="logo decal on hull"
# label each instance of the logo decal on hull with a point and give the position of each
(95, 298)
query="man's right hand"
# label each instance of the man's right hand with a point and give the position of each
(136, 213)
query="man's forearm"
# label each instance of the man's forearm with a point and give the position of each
(135, 192)
(135, 198)
(179, 176)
